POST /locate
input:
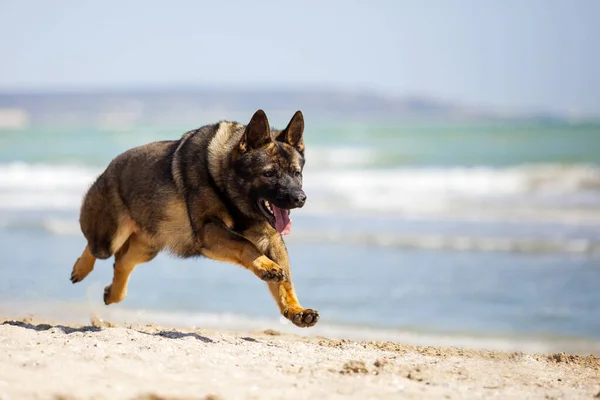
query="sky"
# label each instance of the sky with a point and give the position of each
(514, 55)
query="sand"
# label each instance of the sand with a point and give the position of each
(54, 361)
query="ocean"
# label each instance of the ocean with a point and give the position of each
(414, 230)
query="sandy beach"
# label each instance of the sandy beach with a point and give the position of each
(41, 360)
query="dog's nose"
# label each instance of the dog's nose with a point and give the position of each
(300, 199)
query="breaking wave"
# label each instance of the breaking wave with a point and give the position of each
(43, 187)
(550, 192)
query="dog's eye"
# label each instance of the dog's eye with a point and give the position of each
(268, 174)
(297, 174)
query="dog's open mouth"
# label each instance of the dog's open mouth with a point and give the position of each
(279, 218)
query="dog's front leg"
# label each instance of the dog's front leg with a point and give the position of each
(283, 292)
(223, 244)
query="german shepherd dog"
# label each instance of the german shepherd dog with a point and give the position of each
(223, 191)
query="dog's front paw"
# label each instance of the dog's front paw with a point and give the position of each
(269, 271)
(303, 318)
(274, 275)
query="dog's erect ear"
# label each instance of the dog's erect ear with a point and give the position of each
(258, 132)
(293, 134)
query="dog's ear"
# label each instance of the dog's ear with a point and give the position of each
(257, 133)
(293, 134)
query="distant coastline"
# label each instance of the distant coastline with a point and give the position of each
(189, 105)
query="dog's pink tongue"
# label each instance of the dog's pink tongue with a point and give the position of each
(283, 223)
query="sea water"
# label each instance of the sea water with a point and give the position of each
(454, 229)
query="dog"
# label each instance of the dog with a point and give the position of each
(223, 191)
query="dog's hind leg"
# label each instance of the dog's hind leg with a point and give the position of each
(103, 241)
(83, 266)
(135, 251)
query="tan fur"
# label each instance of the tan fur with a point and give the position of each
(83, 266)
(134, 252)
(126, 228)
(219, 146)
(175, 233)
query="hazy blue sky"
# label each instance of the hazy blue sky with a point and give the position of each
(514, 54)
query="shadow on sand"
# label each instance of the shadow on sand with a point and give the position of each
(68, 330)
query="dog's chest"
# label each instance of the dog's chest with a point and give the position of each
(259, 238)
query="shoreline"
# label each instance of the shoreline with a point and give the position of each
(81, 313)
(46, 359)
(78, 313)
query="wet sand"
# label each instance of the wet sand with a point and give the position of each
(41, 360)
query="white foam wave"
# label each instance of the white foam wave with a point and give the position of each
(40, 177)
(529, 189)
(42, 187)
(476, 181)
(550, 192)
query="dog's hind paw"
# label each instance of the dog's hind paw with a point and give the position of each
(107, 294)
(82, 268)
(304, 318)
(75, 277)
(113, 295)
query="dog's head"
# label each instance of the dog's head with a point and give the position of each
(269, 166)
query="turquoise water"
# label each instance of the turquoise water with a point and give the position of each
(470, 228)
(394, 144)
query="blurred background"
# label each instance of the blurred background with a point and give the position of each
(453, 158)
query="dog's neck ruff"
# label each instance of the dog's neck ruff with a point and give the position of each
(218, 147)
